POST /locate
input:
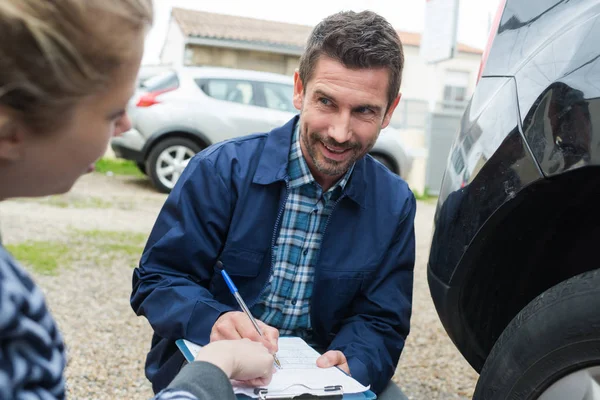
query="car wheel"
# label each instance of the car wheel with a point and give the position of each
(385, 161)
(142, 167)
(167, 160)
(551, 349)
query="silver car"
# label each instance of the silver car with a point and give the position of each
(182, 111)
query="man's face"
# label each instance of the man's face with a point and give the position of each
(342, 112)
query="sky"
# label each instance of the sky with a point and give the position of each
(405, 15)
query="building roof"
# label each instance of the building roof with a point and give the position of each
(200, 24)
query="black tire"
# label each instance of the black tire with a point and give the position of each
(386, 162)
(142, 167)
(157, 150)
(556, 334)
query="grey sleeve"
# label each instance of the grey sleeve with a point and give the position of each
(205, 380)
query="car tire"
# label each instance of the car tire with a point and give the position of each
(385, 161)
(142, 167)
(165, 162)
(551, 349)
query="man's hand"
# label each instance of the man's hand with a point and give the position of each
(334, 358)
(236, 325)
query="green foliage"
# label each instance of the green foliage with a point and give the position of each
(118, 167)
(79, 247)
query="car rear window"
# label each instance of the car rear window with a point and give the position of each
(279, 96)
(231, 90)
(164, 81)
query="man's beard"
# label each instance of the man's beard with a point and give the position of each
(326, 165)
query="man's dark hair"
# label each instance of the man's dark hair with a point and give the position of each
(357, 40)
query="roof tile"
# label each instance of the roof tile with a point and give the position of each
(220, 26)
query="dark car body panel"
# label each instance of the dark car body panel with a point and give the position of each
(563, 125)
(497, 157)
(127, 153)
(533, 118)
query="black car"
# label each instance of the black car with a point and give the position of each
(515, 256)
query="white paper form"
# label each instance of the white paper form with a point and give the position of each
(299, 373)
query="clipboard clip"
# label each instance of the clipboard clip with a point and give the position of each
(334, 392)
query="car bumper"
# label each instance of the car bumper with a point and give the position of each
(488, 166)
(129, 146)
(470, 208)
(394, 148)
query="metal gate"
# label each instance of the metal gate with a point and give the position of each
(441, 131)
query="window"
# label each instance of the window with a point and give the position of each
(457, 161)
(228, 90)
(468, 143)
(279, 96)
(165, 81)
(455, 89)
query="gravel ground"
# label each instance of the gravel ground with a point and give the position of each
(107, 343)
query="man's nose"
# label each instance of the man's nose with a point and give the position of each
(340, 130)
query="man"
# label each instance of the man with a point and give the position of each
(317, 236)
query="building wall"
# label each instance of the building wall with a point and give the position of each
(415, 77)
(173, 49)
(241, 59)
(462, 62)
(423, 93)
(422, 81)
(465, 62)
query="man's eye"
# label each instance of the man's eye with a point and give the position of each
(325, 101)
(363, 110)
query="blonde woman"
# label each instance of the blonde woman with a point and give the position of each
(67, 71)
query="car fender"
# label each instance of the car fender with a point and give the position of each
(174, 130)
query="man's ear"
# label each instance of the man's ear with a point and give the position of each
(12, 139)
(298, 91)
(388, 115)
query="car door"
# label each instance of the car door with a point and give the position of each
(277, 99)
(235, 102)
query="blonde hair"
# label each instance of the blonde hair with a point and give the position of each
(53, 53)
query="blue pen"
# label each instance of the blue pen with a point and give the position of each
(242, 304)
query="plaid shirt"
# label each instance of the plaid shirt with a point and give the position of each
(285, 304)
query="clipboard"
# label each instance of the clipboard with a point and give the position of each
(187, 348)
(333, 392)
(368, 395)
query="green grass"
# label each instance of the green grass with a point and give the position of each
(127, 249)
(113, 236)
(79, 247)
(67, 201)
(43, 257)
(425, 196)
(118, 167)
(110, 244)
(127, 243)
(71, 200)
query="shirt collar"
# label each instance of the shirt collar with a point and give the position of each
(298, 170)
